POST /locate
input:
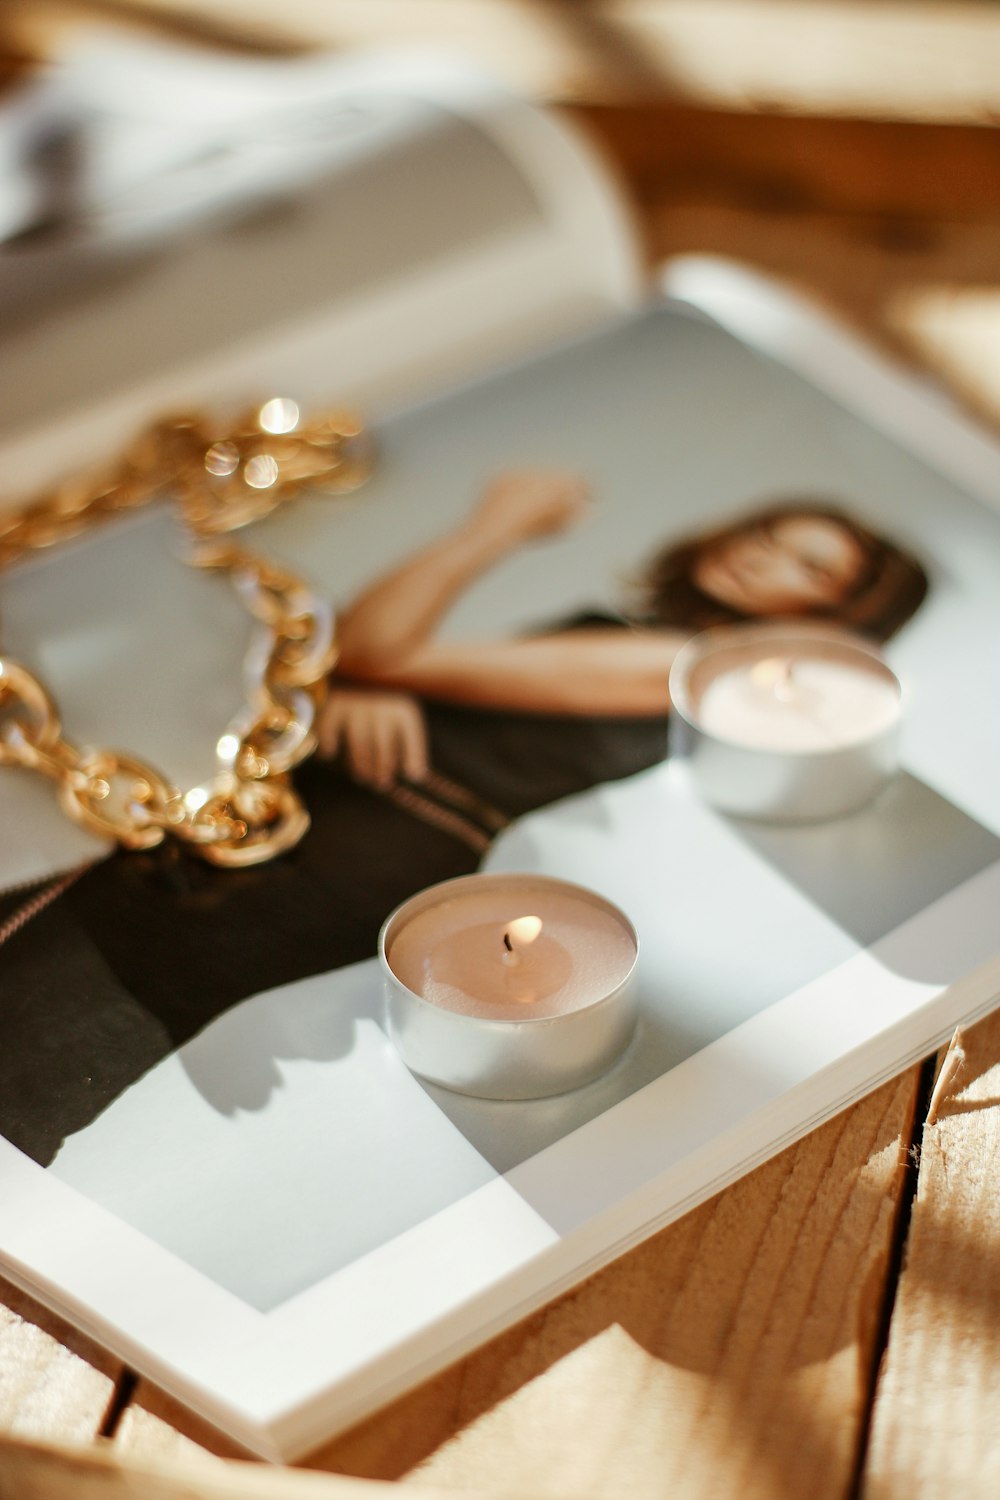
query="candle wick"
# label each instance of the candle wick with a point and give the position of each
(511, 957)
(777, 676)
(789, 690)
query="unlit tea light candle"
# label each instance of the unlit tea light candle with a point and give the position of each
(509, 986)
(785, 722)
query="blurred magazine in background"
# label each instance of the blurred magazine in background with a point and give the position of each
(401, 217)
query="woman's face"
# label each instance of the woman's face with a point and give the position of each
(791, 565)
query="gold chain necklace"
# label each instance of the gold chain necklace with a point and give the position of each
(250, 811)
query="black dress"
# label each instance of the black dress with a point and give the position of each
(145, 949)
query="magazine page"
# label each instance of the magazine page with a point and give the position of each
(223, 1113)
(346, 228)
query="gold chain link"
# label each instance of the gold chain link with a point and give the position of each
(250, 811)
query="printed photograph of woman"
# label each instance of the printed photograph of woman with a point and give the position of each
(428, 749)
(796, 557)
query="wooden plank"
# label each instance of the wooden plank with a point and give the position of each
(36, 1472)
(729, 1354)
(935, 1425)
(54, 1383)
(955, 330)
(883, 170)
(877, 58)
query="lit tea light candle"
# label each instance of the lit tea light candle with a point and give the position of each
(509, 986)
(786, 722)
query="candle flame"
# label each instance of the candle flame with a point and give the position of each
(774, 674)
(521, 933)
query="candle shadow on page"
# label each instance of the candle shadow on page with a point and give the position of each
(733, 916)
(507, 1133)
(872, 871)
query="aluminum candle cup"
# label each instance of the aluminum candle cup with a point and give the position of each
(788, 723)
(509, 986)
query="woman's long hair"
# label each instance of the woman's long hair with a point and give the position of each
(890, 586)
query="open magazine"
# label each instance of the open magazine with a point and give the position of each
(212, 1158)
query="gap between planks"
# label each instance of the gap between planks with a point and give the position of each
(935, 1423)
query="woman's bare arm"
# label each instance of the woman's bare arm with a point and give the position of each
(584, 672)
(387, 636)
(398, 614)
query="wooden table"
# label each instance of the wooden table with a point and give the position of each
(829, 1325)
(766, 1345)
